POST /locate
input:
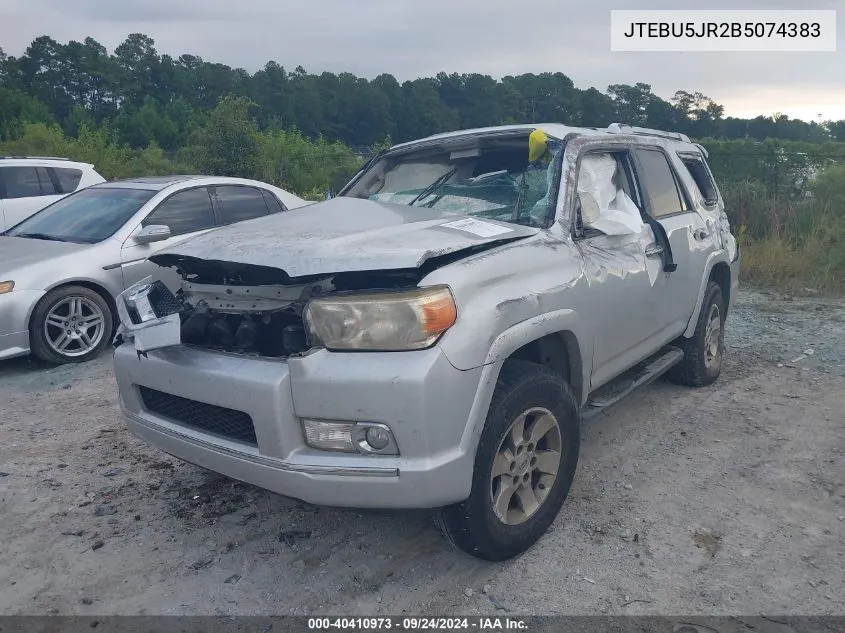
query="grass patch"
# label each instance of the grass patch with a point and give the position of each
(791, 244)
(815, 261)
(774, 262)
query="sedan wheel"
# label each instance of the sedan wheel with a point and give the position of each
(70, 324)
(74, 326)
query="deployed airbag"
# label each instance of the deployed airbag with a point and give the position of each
(604, 205)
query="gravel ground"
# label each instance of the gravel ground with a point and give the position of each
(723, 500)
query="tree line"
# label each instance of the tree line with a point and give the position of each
(141, 97)
(135, 112)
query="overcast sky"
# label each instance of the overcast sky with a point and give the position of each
(413, 38)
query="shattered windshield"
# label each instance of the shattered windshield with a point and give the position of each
(493, 180)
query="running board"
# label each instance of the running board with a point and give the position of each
(636, 377)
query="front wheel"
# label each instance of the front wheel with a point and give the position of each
(70, 324)
(524, 465)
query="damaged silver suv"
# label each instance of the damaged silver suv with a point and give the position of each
(434, 336)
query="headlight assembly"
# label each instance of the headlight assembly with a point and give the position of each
(385, 321)
(6, 286)
(149, 301)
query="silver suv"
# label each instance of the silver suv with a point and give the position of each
(434, 336)
(30, 183)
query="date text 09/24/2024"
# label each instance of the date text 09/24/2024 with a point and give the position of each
(416, 624)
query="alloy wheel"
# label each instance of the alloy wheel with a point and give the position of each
(526, 466)
(74, 326)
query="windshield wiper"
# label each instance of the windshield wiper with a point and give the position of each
(39, 236)
(433, 186)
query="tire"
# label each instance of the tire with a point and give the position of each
(55, 333)
(530, 392)
(703, 356)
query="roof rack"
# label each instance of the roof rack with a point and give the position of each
(34, 157)
(624, 128)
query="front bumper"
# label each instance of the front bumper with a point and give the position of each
(15, 310)
(425, 401)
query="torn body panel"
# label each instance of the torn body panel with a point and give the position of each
(343, 234)
(484, 291)
(257, 308)
(256, 320)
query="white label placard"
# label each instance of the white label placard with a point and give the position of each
(477, 227)
(723, 30)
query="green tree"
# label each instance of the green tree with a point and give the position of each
(42, 73)
(631, 102)
(836, 129)
(829, 189)
(141, 98)
(227, 144)
(423, 111)
(139, 63)
(598, 110)
(17, 109)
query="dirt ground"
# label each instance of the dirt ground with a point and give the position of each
(723, 500)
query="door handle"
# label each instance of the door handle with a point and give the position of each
(655, 250)
(699, 234)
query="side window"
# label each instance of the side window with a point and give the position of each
(660, 184)
(239, 203)
(606, 197)
(184, 212)
(68, 178)
(702, 178)
(272, 201)
(27, 182)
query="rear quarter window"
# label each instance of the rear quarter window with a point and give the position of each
(68, 178)
(238, 203)
(702, 178)
(273, 203)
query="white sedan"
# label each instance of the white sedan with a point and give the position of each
(61, 268)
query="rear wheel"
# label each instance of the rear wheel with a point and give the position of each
(70, 324)
(704, 352)
(524, 465)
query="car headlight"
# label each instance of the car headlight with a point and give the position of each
(150, 301)
(384, 321)
(6, 286)
(139, 306)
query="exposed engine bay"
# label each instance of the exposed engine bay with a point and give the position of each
(220, 309)
(263, 320)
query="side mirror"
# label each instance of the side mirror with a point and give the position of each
(153, 233)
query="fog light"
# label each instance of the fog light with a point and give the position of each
(329, 436)
(377, 437)
(350, 437)
(372, 437)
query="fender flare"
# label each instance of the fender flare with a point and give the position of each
(93, 284)
(719, 257)
(510, 340)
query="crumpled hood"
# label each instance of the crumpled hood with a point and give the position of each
(343, 234)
